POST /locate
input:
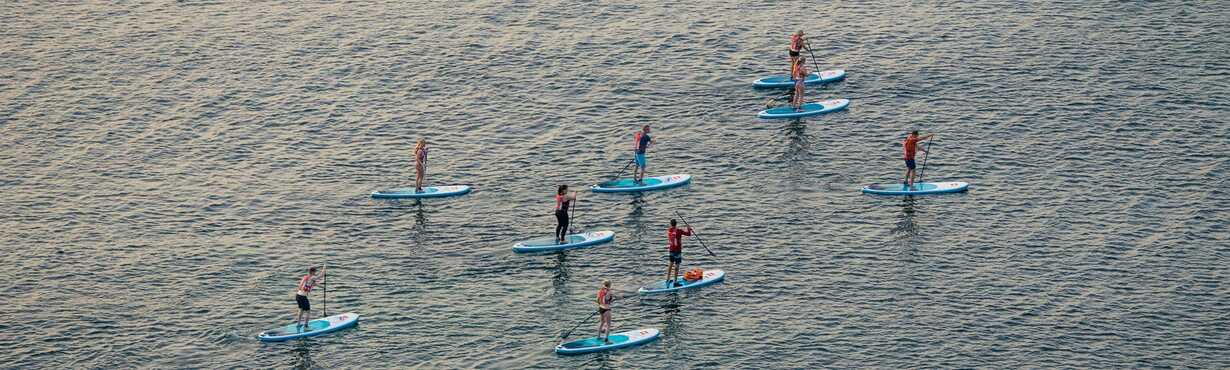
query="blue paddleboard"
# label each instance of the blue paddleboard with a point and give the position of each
(709, 278)
(814, 78)
(428, 192)
(808, 109)
(315, 327)
(648, 183)
(618, 340)
(919, 188)
(580, 240)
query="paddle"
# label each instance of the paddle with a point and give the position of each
(813, 56)
(926, 153)
(773, 101)
(572, 214)
(621, 172)
(694, 233)
(325, 300)
(562, 337)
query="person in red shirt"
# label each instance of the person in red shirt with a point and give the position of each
(301, 295)
(605, 297)
(911, 146)
(674, 236)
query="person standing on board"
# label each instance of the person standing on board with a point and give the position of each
(562, 201)
(641, 144)
(911, 146)
(605, 298)
(420, 164)
(799, 73)
(796, 46)
(301, 296)
(674, 239)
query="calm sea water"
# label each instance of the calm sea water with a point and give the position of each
(168, 170)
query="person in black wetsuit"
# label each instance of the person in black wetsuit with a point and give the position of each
(563, 200)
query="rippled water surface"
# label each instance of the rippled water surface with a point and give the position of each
(168, 170)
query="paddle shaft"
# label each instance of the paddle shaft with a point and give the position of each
(572, 212)
(579, 325)
(694, 233)
(325, 286)
(926, 153)
(621, 172)
(813, 56)
(773, 101)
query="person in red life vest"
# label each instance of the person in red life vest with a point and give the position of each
(301, 296)
(605, 297)
(674, 238)
(796, 46)
(420, 164)
(799, 74)
(911, 146)
(563, 200)
(640, 145)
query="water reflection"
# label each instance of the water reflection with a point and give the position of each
(798, 142)
(419, 231)
(906, 229)
(303, 355)
(636, 217)
(561, 274)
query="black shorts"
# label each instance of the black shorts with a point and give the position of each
(676, 257)
(303, 302)
(794, 53)
(909, 163)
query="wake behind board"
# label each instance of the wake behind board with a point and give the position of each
(808, 109)
(813, 78)
(315, 327)
(648, 183)
(580, 240)
(618, 340)
(428, 192)
(709, 278)
(919, 188)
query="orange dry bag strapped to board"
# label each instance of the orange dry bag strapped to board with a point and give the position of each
(694, 275)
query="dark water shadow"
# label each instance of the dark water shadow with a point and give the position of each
(420, 222)
(798, 142)
(670, 308)
(561, 274)
(303, 355)
(906, 229)
(636, 217)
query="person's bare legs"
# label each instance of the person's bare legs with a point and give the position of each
(604, 325)
(418, 178)
(674, 273)
(797, 99)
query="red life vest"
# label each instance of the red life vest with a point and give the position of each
(306, 284)
(604, 297)
(796, 42)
